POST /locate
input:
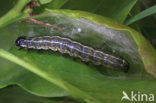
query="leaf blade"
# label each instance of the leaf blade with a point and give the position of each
(53, 79)
(141, 15)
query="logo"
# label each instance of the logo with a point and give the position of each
(137, 96)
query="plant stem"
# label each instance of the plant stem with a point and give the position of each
(14, 13)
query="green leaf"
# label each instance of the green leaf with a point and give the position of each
(6, 6)
(122, 12)
(29, 81)
(81, 81)
(45, 1)
(118, 9)
(17, 95)
(56, 4)
(15, 13)
(141, 15)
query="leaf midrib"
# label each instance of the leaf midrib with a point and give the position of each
(51, 78)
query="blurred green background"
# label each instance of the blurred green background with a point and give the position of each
(122, 11)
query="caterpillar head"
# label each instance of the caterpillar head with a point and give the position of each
(20, 40)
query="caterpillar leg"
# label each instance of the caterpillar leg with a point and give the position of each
(87, 63)
(39, 51)
(20, 48)
(64, 55)
(28, 50)
(73, 58)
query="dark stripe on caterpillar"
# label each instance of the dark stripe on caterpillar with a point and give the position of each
(74, 49)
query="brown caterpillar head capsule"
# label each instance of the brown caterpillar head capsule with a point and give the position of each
(20, 40)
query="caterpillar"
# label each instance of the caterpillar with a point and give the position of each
(74, 49)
